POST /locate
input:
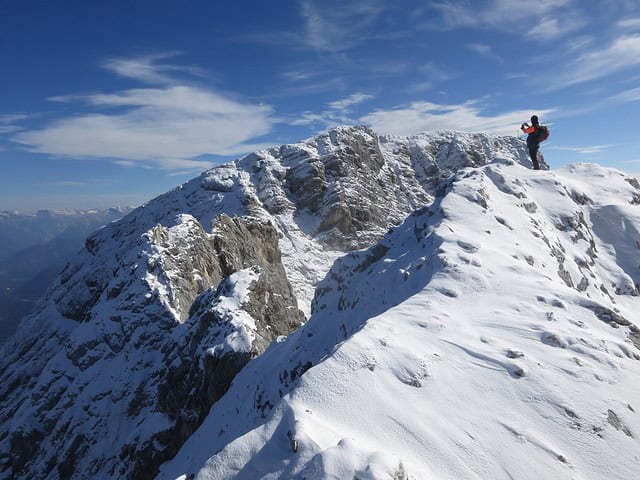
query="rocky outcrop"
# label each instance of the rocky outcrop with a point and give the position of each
(341, 186)
(357, 184)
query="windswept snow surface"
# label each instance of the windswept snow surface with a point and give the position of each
(489, 336)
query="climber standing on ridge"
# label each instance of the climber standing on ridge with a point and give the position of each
(536, 134)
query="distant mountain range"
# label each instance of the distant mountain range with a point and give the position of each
(35, 248)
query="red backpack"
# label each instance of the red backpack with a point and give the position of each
(542, 133)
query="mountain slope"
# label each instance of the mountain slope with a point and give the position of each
(488, 336)
(146, 328)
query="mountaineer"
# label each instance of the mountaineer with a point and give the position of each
(536, 133)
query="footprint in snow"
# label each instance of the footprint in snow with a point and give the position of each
(503, 221)
(552, 339)
(514, 354)
(448, 292)
(554, 302)
(523, 437)
(468, 247)
(615, 421)
(487, 361)
(577, 361)
(470, 260)
(413, 378)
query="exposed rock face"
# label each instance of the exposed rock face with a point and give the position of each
(357, 184)
(148, 326)
(342, 186)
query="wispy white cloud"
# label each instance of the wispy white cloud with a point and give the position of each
(426, 116)
(329, 26)
(337, 112)
(331, 73)
(8, 122)
(578, 43)
(168, 126)
(586, 150)
(494, 14)
(126, 163)
(429, 74)
(420, 87)
(631, 95)
(485, 51)
(384, 69)
(172, 98)
(552, 28)
(620, 54)
(184, 173)
(629, 24)
(310, 118)
(435, 73)
(298, 75)
(338, 27)
(68, 183)
(335, 84)
(151, 68)
(4, 129)
(12, 118)
(344, 104)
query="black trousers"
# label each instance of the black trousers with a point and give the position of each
(533, 153)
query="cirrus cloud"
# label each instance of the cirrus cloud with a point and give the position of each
(622, 53)
(337, 112)
(8, 122)
(493, 14)
(426, 116)
(168, 126)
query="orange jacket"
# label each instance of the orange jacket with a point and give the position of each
(530, 129)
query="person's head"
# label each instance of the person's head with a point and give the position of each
(534, 120)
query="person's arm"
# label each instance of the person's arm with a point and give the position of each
(527, 129)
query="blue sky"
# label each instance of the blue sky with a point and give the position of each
(113, 103)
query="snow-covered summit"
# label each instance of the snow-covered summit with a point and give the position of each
(141, 339)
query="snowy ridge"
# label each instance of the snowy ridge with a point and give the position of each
(488, 336)
(146, 329)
